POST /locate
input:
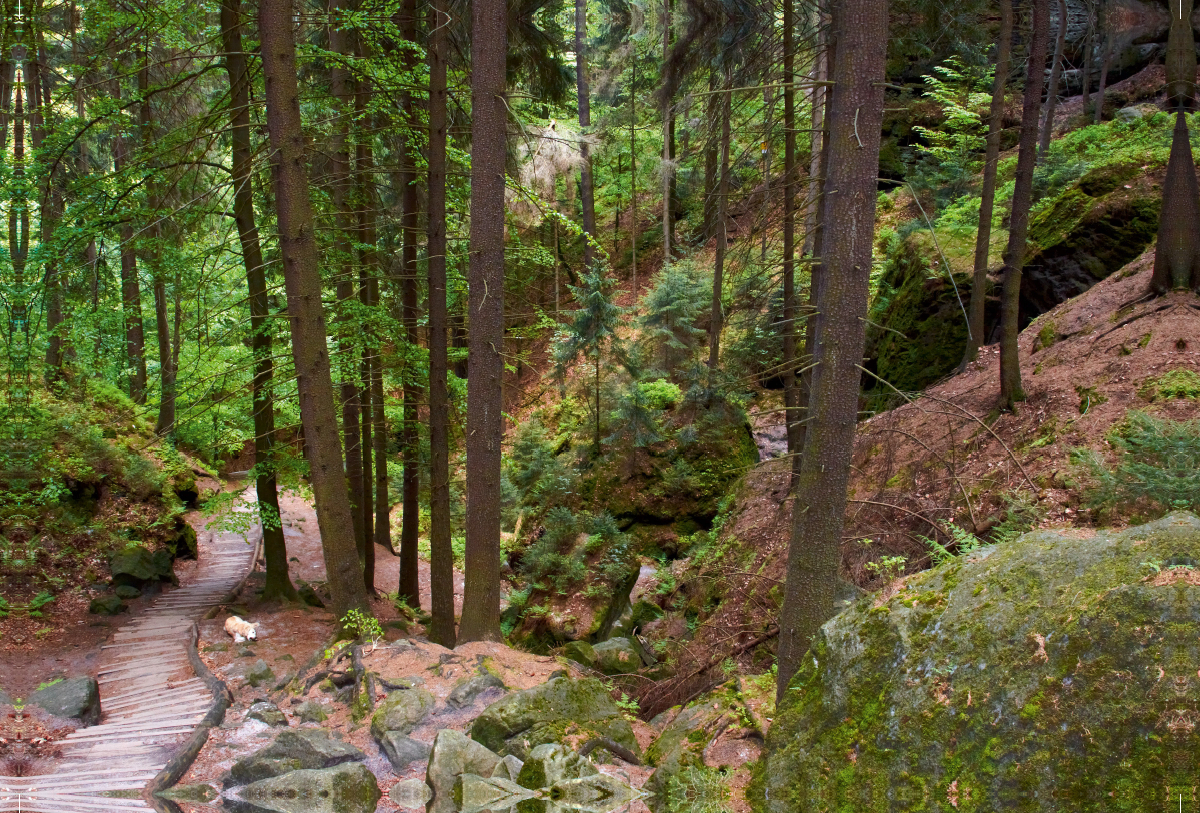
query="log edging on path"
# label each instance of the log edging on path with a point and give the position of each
(186, 754)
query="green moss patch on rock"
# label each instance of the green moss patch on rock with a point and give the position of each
(1052, 673)
(545, 714)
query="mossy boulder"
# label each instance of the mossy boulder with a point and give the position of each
(681, 745)
(292, 750)
(616, 656)
(349, 788)
(1052, 673)
(138, 566)
(76, 698)
(453, 755)
(545, 714)
(401, 712)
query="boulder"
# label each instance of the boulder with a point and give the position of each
(201, 794)
(1046, 674)
(410, 793)
(617, 656)
(259, 673)
(310, 712)
(402, 751)
(267, 712)
(509, 768)
(1128, 114)
(401, 712)
(76, 698)
(464, 693)
(453, 754)
(349, 788)
(478, 794)
(293, 750)
(127, 591)
(551, 763)
(137, 566)
(524, 720)
(599, 792)
(680, 745)
(107, 605)
(580, 652)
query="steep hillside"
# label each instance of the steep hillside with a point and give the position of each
(948, 466)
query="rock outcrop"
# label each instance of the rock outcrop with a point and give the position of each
(1056, 672)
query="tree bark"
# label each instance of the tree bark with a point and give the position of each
(162, 322)
(131, 293)
(374, 437)
(983, 237)
(278, 584)
(717, 317)
(410, 587)
(855, 117)
(668, 154)
(345, 225)
(633, 227)
(302, 278)
(481, 600)
(1089, 45)
(441, 552)
(1011, 391)
(1108, 46)
(791, 400)
(51, 212)
(1056, 76)
(711, 156)
(587, 193)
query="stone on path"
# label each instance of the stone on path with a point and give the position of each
(464, 694)
(349, 788)
(76, 698)
(293, 749)
(452, 756)
(401, 712)
(402, 751)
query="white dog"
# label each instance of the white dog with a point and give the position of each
(240, 630)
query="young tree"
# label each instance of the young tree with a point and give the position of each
(594, 324)
(1056, 71)
(1011, 391)
(860, 29)
(717, 318)
(587, 195)
(987, 202)
(278, 584)
(489, 120)
(302, 278)
(441, 553)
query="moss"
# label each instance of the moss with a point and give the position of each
(1178, 383)
(1039, 685)
(1047, 335)
(1089, 397)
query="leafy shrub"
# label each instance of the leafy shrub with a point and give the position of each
(1158, 464)
(1021, 514)
(541, 478)
(963, 542)
(660, 394)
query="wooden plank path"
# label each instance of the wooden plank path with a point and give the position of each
(150, 697)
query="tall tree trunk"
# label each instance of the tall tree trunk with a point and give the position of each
(489, 120)
(302, 278)
(717, 318)
(278, 584)
(587, 196)
(345, 225)
(668, 168)
(1108, 48)
(374, 432)
(633, 226)
(983, 238)
(791, 401)
(1011, 390)
(1181, 57)
(1056, 70)
(1089, 45)
(441, 552)
(410, 585)
(711, 156)
(856, 115)
(162, 320)
(131, 292)
(50, 214)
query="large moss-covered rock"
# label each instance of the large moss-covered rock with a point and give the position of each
(452, 756)
(681, 745)
(524, 720)
(616, 656)
(401, 712)
(293, 750)
(76, 698)
(1054, 673)
(138, 566)
(349, 788)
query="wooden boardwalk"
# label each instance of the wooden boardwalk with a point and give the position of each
(150, 697)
